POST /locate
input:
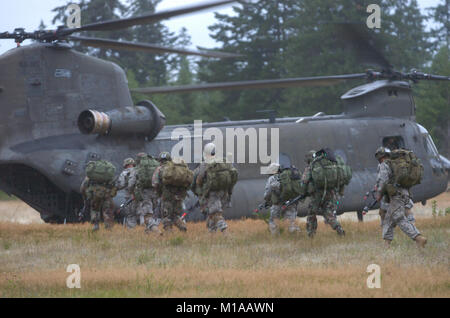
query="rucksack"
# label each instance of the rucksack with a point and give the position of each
(344, 170)
(145, 170)
(100, 171)
(328, 174)
(289, 183)
(177, 175)
(220, 176)
(407, 168)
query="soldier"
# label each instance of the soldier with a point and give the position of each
(99, 189)
(391, 144)
(399, 200)
(381, 154)
(86, 205)
(272, 195)
(123, 183)
(323, 201)
(214, 187)
(144, 194)
(171, 194)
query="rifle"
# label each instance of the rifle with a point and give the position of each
(293, 201)
(84, 210)
(126, 203)
(372, 204)
(262, 206)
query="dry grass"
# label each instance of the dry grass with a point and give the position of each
(18, 212)
(249, 262)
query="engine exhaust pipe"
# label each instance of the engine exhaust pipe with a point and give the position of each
(145, 119)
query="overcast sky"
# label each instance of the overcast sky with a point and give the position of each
(28, 14)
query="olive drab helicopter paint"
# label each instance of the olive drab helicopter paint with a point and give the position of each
(61, 109)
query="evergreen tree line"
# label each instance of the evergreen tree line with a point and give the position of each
(279, 39)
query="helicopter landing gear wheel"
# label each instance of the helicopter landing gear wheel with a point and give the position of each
(360, 216)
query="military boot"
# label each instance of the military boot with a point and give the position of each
(293, 227)
(340, 231)
(153, 229)
(273, 228)
(421, 241)
(180, 225)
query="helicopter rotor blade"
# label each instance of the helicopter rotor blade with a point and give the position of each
(359, 39)
(273, 83)
(147, 18)
(146, 47)
(415, 76)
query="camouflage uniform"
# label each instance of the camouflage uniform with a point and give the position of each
(101, 203)
(171, 201)
(398, 203)
(123, 183)
(272, 194)
(212, 202)
(145, 205)
(321, 204)
(383, 204)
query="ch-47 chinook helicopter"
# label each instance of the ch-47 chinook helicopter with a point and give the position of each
(61, 109)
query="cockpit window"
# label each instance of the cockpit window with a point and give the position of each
(429, 145)
(393, 142)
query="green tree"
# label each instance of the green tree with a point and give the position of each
(96, 11)
(441, 32)
(433, 102)
(150, 69)
(298, 38)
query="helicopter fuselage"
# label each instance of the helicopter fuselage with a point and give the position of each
(43, 89)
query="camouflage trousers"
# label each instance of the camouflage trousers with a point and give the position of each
(384, 206)
(213, 206)
(145, 208)
(102, 207)
(171, 211)
(396, 215)
(290, 214)
(326, 208)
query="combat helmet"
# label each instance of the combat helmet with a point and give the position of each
(164, 156)
(209, 152)
(129, 161)
(310, 156)
(382, 152)
(273, 168)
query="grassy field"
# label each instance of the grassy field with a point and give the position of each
(248, 262)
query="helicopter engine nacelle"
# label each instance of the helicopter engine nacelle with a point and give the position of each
(145, 119)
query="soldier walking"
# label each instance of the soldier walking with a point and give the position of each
(171, 180)
(123, 183)
(144, 193)
(323, 200)
(213, 184)
(273, 195)
(99, 189)
(399, 200)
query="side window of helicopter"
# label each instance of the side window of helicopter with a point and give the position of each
(393, 142)
(429, 145)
